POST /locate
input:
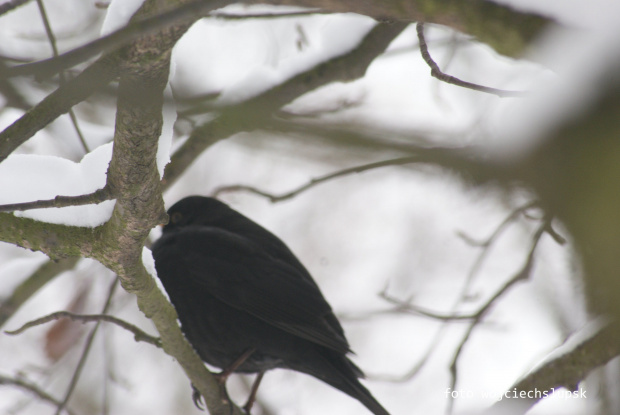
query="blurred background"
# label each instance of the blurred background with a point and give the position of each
(402, 252)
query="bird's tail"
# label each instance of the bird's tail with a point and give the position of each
(338, 371)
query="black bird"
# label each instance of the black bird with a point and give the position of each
(246, 303)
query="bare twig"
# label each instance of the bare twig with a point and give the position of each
(78, 131)
(522, 275)
(86, 351)
(486, 245)
(52, 39)
(509, 219)
(318, 180)
(437, 73)
(32, 388)
(407, 307)
(139, 335)
(98, 196)
(48, 27)
(559, 239)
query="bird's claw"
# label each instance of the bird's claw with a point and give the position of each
(197, 398)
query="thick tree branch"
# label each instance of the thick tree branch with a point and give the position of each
(564, 371)
(134, 179)
(56, 241)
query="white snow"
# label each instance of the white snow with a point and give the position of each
(31, 177)
(165, 140)
(585, 333)
(148, 262)
(253, 56)
(118, 15)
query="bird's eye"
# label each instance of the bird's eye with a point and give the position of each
(176, 217)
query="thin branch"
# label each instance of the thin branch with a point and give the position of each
(48, 27)
(318, 180)
(437, 73)
(78, 131)
(407, 307)
(559, 239)
(502, 226)
(109, 365)
(24, 291)
(522, 275)
(115, 40)
(98, 196)
(486, 246)
(86, 351)
(52, 39)
(32, 388)
(139, 204)
(139, 334)
(96, 76)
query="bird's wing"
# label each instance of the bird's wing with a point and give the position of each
(243, 275)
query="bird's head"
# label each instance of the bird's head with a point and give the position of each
(198, 211)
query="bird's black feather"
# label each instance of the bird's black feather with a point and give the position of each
(237, 287)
